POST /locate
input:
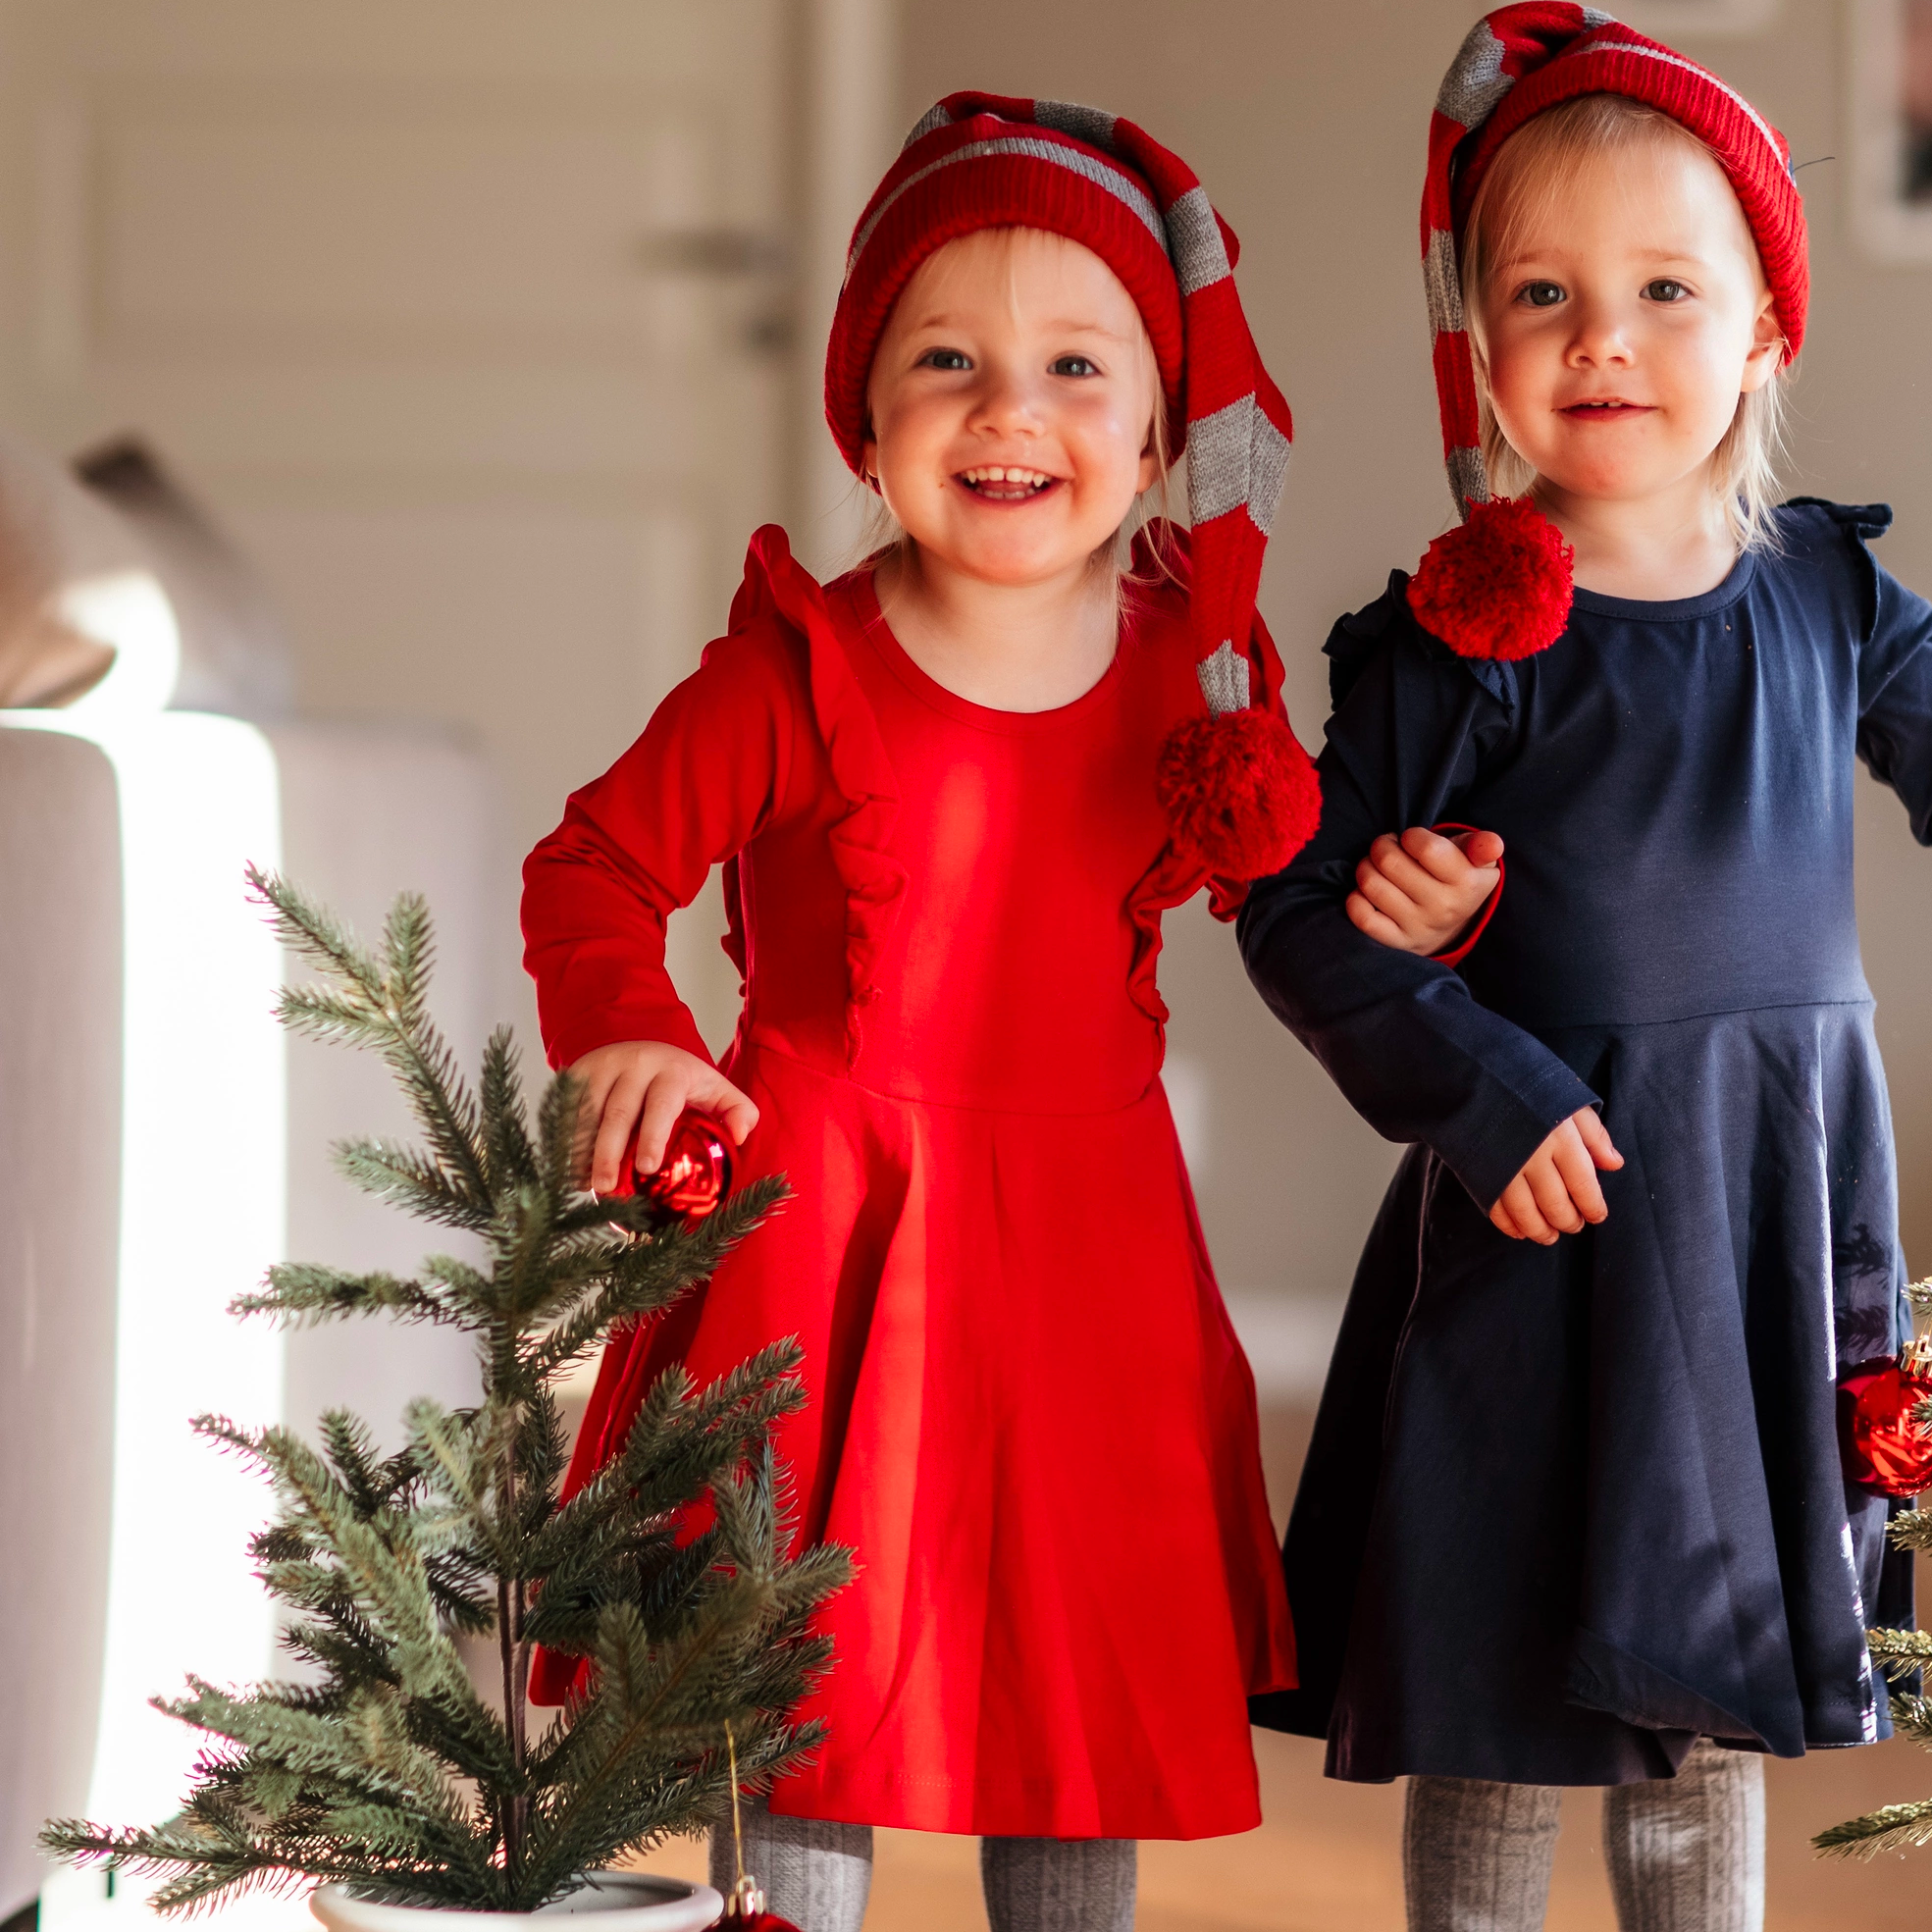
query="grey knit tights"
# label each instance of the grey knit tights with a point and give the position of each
(818, 1875)
(1686, 1854)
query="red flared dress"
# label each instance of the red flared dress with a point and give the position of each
(1029, 1417)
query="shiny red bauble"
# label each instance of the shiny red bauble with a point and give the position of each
(694, 1176)
(1887, 1450)
(744, 1910)
(758, 1921)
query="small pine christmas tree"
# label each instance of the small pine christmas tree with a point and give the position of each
(1900, 1655)
(387, 1768)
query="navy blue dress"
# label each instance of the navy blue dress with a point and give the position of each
(1567, 1508)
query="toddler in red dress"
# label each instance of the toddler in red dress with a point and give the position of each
(953, 793)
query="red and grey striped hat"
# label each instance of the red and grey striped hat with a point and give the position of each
(1240, 790)
(1499, 587)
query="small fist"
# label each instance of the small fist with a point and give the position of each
(1419, 893)
(1556, 1192)
(647, 1084)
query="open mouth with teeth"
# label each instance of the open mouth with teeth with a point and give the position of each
(997, 483)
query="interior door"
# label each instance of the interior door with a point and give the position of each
(466, 315)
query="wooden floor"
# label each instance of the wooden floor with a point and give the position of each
(1326, 1857)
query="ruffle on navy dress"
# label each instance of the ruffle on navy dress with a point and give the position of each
(1567, 1508)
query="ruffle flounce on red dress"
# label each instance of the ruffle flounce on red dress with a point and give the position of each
(776, 584)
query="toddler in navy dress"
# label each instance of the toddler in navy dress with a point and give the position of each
(1574, 1512)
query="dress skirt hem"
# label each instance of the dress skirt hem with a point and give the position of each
(1031, 1422)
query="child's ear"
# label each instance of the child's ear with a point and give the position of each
(869, 461)
(1768, 345)
(1150, 454)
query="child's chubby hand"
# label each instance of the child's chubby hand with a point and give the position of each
(1556, 1191)
(1419, 892)
(658, 1082)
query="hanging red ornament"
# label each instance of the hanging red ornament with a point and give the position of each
(745, 1910)
(694, 1176)
(1886, 1449)
(744, 1903)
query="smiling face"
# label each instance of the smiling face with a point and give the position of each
(1620, 320)
(1012, 405)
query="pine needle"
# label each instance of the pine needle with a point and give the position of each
(1891, 1828)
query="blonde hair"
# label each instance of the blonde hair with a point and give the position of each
(881, 533)
(1534, 169)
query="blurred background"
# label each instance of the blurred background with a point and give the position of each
(467, 340)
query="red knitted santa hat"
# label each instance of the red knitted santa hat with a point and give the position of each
(1238, 789)
(1499, 586)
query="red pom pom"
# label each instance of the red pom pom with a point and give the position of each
(1499, 587)
(1239, 793)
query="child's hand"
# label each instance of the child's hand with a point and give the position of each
(1556, 1191)
(1417, 893)
(658, 1082)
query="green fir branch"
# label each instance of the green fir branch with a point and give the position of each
(511, 1159)
(646, 1276)
(564, 1137)
(1912, 1717)
(387, 1767)
(303, 1295)
(1911, 1529)
(408, 1177)
(1897, 1652)
(311, 931)
(1891, 1828)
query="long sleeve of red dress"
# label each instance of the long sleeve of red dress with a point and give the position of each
(709, 773)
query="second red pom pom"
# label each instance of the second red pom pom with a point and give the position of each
(1499, 587)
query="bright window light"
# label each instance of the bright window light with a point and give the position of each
(128, 610)
(202, 1215)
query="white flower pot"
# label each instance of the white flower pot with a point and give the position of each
(621, 1900)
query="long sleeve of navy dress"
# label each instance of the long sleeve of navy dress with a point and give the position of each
(1567, 1508)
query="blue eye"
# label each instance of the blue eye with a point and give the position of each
(1540, 295)
(948, 359)
(1073, 365)
(1663, 289)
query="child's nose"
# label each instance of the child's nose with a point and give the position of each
(1006, 402)
(1598, 334)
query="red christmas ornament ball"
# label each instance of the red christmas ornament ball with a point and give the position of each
(1240, 794)
(1887, 1450)
(694, 1176)
(1499, 586)
(744, 1910)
